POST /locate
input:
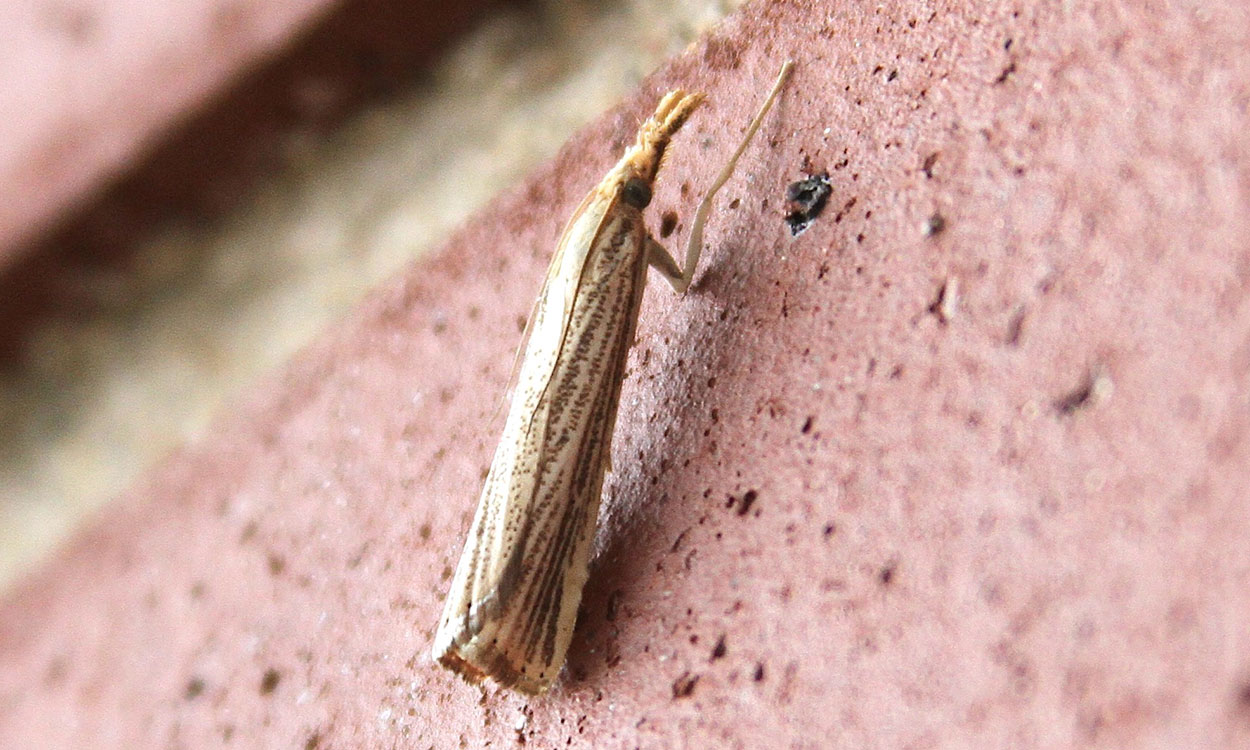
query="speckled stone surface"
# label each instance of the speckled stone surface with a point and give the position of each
(962, 465)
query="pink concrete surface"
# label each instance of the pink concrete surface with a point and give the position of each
(88, 85)
(848, 510)
(172, 114)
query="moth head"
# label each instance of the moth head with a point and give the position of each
(642, 161)
(636, 192)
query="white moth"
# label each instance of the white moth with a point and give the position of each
(513, 602)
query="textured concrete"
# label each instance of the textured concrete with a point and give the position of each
(88, 85)
(272, 214)
(961, 465)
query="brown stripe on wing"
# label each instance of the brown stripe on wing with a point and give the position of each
(585, 475)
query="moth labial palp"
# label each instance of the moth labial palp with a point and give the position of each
(513, 601)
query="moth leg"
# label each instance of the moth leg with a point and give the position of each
(665, 262)
(661, 260)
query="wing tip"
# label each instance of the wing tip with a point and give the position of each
(475, 663)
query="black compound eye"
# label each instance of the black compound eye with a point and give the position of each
(636, 192)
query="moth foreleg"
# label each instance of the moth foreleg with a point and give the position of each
(661, 260)
(680, 277)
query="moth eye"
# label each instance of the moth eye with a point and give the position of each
(636, 192)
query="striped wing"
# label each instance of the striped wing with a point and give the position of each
(517, 588)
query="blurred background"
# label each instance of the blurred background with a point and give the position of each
(193, 190)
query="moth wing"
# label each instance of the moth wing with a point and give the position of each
(557, 260)
(513, 601)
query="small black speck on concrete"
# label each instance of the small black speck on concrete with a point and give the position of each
(807, 198)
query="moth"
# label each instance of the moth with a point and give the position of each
(513, 602)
